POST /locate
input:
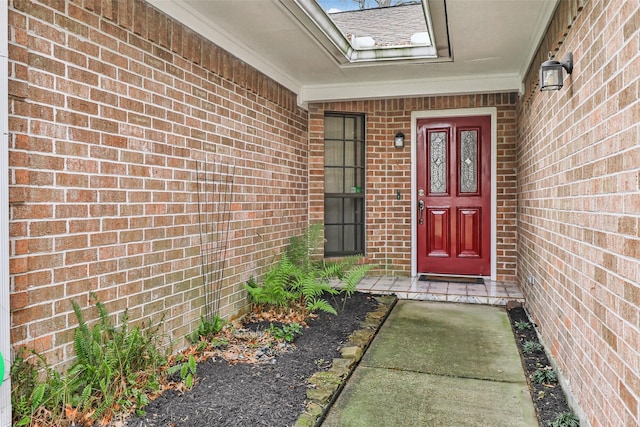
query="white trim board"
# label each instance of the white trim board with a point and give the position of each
(5, 318)
(459, 112)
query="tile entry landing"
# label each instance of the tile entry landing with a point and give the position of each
(491, 293)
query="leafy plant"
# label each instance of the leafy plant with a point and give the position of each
(521, 325)
(207, 329)
(219, 342)
(305, 249)
(286, 332)
(117, 366)
(565, 419)
(297, 278)
(531, 347)
(115, 370)
(187, 370)
(544, 375)
(35, 401)
(276, 288)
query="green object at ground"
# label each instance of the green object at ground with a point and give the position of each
(438, 364)
(1, 368)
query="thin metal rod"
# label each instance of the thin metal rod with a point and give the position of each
(225, 221)
(203, 262)
(214, 215)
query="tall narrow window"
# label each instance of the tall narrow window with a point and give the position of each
(344, 160)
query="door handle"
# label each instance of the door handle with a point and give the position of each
(420, 209)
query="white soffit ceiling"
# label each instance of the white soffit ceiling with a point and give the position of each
(491, 44)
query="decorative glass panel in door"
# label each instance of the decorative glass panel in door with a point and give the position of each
(438, 161)
(468, 161)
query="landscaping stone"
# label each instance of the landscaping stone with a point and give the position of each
(352, 352)
(325, 379)
(321, 395)
(306, 420)
(314, 409)
(361, 337)
(328, 384)
(342, 366)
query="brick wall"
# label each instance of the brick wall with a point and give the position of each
(388, 170)
(111, 106)
(579, 207)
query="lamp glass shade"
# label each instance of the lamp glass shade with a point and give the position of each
(398, 141)
(551, 75)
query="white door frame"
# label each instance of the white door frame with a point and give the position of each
(5, 344)
(417, 115)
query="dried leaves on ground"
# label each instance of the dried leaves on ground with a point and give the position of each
(548, 396)
(268, 391)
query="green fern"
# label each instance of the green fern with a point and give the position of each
(338, 268)
(30, 394)
(272, 292)
(115, 367)
(297, 279)
(103, 314)
(37, 396)
(311, 287)
(301, 250)
(110, 360)
(319, 304)
(81, 343)
(353, 277)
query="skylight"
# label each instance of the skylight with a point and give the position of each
(363, 31)
(381, 23)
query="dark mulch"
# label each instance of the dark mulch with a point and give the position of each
(262, 394)
(549, 399)
(273, 394)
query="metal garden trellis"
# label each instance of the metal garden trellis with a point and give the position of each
(215, 197)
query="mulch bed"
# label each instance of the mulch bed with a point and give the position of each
(549, 399)
(271, 392)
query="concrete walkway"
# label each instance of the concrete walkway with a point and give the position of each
(438, 364)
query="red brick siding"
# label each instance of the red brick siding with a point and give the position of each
(579, 207)
(388, 170)
(111, 105)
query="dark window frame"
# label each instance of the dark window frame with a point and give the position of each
(350, 226)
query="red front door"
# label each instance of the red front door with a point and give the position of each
(454, 195)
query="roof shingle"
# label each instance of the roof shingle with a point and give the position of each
(388, 26)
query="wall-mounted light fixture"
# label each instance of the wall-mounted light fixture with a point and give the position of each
(551, 72)
(398, 141)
